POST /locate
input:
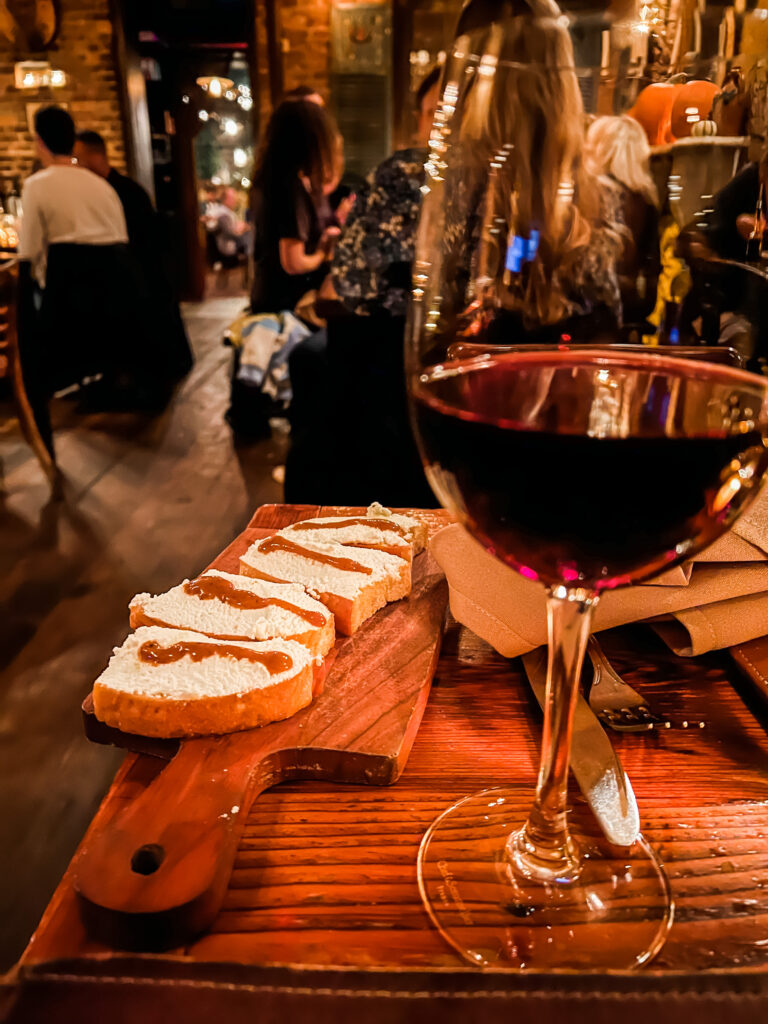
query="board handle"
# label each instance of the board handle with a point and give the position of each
(155, 876)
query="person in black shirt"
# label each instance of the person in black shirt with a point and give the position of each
(91, 152)
(354, 372)
(145, 241)
(733, 219)
(295, 229)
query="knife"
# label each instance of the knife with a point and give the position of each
(594, 763)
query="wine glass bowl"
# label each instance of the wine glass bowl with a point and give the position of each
(582, 466)
(590, 468)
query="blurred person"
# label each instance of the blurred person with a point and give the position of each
(60, 203)
(232, 235)
(90, 151)
(83, 303)
(617, 149)
(372, 262)
(726, 298)
(735, 208)
(146, 242)
(340, 194)
(305, 92)
(294, 227)
(207, 196)
(359, 361)
(533, 252)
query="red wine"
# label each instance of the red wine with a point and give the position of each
(524, 449)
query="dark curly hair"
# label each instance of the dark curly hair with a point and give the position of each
(301, 139)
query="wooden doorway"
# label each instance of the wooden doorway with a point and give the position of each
(163, 47)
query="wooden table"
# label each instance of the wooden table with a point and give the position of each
(323, 910)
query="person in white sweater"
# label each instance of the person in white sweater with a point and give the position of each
(63, 203)
(83, 300)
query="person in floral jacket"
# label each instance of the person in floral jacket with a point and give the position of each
(372, 263)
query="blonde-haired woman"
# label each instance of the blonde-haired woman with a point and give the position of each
(506, 171)
(617, 149)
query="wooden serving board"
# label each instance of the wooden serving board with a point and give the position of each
(154, 875)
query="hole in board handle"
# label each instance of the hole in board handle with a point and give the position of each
(147, 859)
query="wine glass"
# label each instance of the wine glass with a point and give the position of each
(580, 466)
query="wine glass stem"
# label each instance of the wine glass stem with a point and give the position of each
(543, 849)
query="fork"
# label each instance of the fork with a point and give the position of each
(614, 702)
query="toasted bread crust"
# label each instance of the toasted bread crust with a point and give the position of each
(318, 641)
(162, 717)
(351, 614)
(400, 551)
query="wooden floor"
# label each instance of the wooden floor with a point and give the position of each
(148, 501)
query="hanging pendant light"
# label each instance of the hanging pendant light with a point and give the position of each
(215, 85)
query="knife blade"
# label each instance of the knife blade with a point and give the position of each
(594, 762)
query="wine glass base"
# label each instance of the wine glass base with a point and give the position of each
(615, 915)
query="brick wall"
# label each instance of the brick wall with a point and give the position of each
(306, 33)
(83, 49)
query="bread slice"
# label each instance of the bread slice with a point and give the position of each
(413, 529)
(355, 531)
(352, 583)
(224, 605)
(210, 686)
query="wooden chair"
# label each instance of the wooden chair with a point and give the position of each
(10, 368)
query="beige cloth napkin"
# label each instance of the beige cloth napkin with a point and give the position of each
(746, 542)
(714, 626)
(721, 604)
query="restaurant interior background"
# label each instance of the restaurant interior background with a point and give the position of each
(131, 69)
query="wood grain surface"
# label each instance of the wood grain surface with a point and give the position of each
(325, 875)
(155, 876)
(149, 500)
